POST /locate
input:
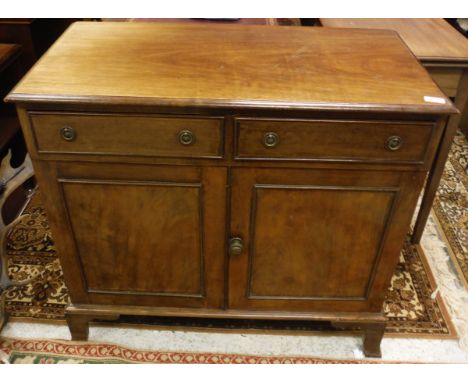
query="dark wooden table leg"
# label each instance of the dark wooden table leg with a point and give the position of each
(79, 327)
(78, 323)
(373, 334)
(439, 162)
(464, 120)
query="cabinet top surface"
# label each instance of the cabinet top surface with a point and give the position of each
(429, 39)
(232, 66)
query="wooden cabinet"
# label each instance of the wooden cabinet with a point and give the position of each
(199, 183)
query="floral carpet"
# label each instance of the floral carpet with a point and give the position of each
(409, 306)
(451, 204)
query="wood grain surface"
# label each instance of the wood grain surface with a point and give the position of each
(345, 140)
(427, 38)
(7, 51)
(231, 66)
(144, 135)
(299, 227)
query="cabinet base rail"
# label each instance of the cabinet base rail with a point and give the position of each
(372, 325)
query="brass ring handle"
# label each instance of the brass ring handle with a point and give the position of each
(68, 133)
(186, 137)
(270, 139)
(236, 246)
(394, 142)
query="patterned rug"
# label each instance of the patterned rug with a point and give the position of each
(409, 305)
(47, 351)
(451, 205)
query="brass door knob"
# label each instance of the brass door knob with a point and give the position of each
(236, 246)
(68, 133)
(186, 137)
(270, 139)
(394, 142)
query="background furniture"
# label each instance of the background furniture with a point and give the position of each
(16, 190)
(444, 53)
(461, 25)
(22, 42)
(194, 173)
(11, 139)
(242, 21)
(10, 72)
(34, 35)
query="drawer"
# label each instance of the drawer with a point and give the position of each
(364, 141)
(447, 79)
(123, 134)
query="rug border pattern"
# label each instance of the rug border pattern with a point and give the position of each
(112, 352)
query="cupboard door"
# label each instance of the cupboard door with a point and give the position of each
(148, 235)
(321, 240)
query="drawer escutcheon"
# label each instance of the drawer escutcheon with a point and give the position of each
(186, 137)
(270, 139)
(394, 142)
(68, 133)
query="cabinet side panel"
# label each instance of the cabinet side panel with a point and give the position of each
(411, 184)
(51, 197)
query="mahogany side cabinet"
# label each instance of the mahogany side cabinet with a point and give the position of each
(230, 171)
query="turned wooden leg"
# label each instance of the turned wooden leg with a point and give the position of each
(79, 327)
(373, 334)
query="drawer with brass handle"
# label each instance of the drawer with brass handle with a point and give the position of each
(139, 135)
(361, 141)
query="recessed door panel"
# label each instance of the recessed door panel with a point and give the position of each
(307, 242)
(153, 241)
(312, 239)
(131, 230)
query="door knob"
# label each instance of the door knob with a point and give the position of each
(236, 246)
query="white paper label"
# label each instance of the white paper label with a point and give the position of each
(434, 99)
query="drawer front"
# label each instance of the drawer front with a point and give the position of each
(447, 79)
(105, 134)
(367, 141)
